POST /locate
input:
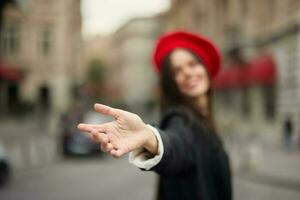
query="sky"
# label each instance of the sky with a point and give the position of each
(106, 16)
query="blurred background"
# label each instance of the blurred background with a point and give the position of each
(59, 57)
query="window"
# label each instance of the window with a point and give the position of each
(228, 98)
(10, 40)
(293, 7)
(245, 102)
(44, 97)
(13, 98)
(269, 93)
(46, 42)
(22, 4)
(245, 8)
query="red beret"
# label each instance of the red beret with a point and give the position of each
(202, 47)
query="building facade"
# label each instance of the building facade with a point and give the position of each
(131, 65)
(40, 61)
(42, 40)
(247, 31)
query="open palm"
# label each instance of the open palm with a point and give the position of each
(126, 133)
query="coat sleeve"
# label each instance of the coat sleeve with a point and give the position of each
(144, 159)
(178, 143)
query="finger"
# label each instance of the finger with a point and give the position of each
(117, 153)
(85, 127)
(107, 147)
(99, 137)
(90, 127)
(92, 136)
(106, 110)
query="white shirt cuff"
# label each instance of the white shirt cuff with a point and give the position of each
(140, 157)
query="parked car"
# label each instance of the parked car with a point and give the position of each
(5, 168)
(78, 143)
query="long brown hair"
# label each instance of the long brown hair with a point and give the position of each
(172, 97)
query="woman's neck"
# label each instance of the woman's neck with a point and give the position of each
(202, 103)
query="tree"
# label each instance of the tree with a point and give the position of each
(95, 78)
(95, 72)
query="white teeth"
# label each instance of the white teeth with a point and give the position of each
(192, 83)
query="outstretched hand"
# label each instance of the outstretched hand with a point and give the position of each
(125, 133)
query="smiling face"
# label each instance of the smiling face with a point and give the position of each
(190, 74)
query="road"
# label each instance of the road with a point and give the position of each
(111, 179)
(74, 179)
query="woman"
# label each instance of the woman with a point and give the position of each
(185, 149)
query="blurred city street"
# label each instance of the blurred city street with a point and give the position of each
(29, 143)
(59, 57)
(274, 176)
(85, 178)
(112, 179)
(271, 173)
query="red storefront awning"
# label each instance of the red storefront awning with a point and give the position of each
(9, 73)
(231, 77)
(260, 71)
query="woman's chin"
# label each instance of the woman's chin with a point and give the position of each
(195, 92)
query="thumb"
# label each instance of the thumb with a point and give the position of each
(106, 110)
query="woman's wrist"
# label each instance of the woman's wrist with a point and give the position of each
(151, 143)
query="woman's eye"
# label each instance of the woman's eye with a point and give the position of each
(192, 63)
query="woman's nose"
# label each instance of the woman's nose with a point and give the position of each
(187, 72)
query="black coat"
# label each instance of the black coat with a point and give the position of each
(194, 164)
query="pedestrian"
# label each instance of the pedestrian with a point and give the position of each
(288, 134)
(185, 149)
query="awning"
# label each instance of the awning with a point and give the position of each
(260, 71)
(8, 72)
(231, 77)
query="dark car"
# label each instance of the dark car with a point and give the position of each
(5, 168)
(78, 143)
